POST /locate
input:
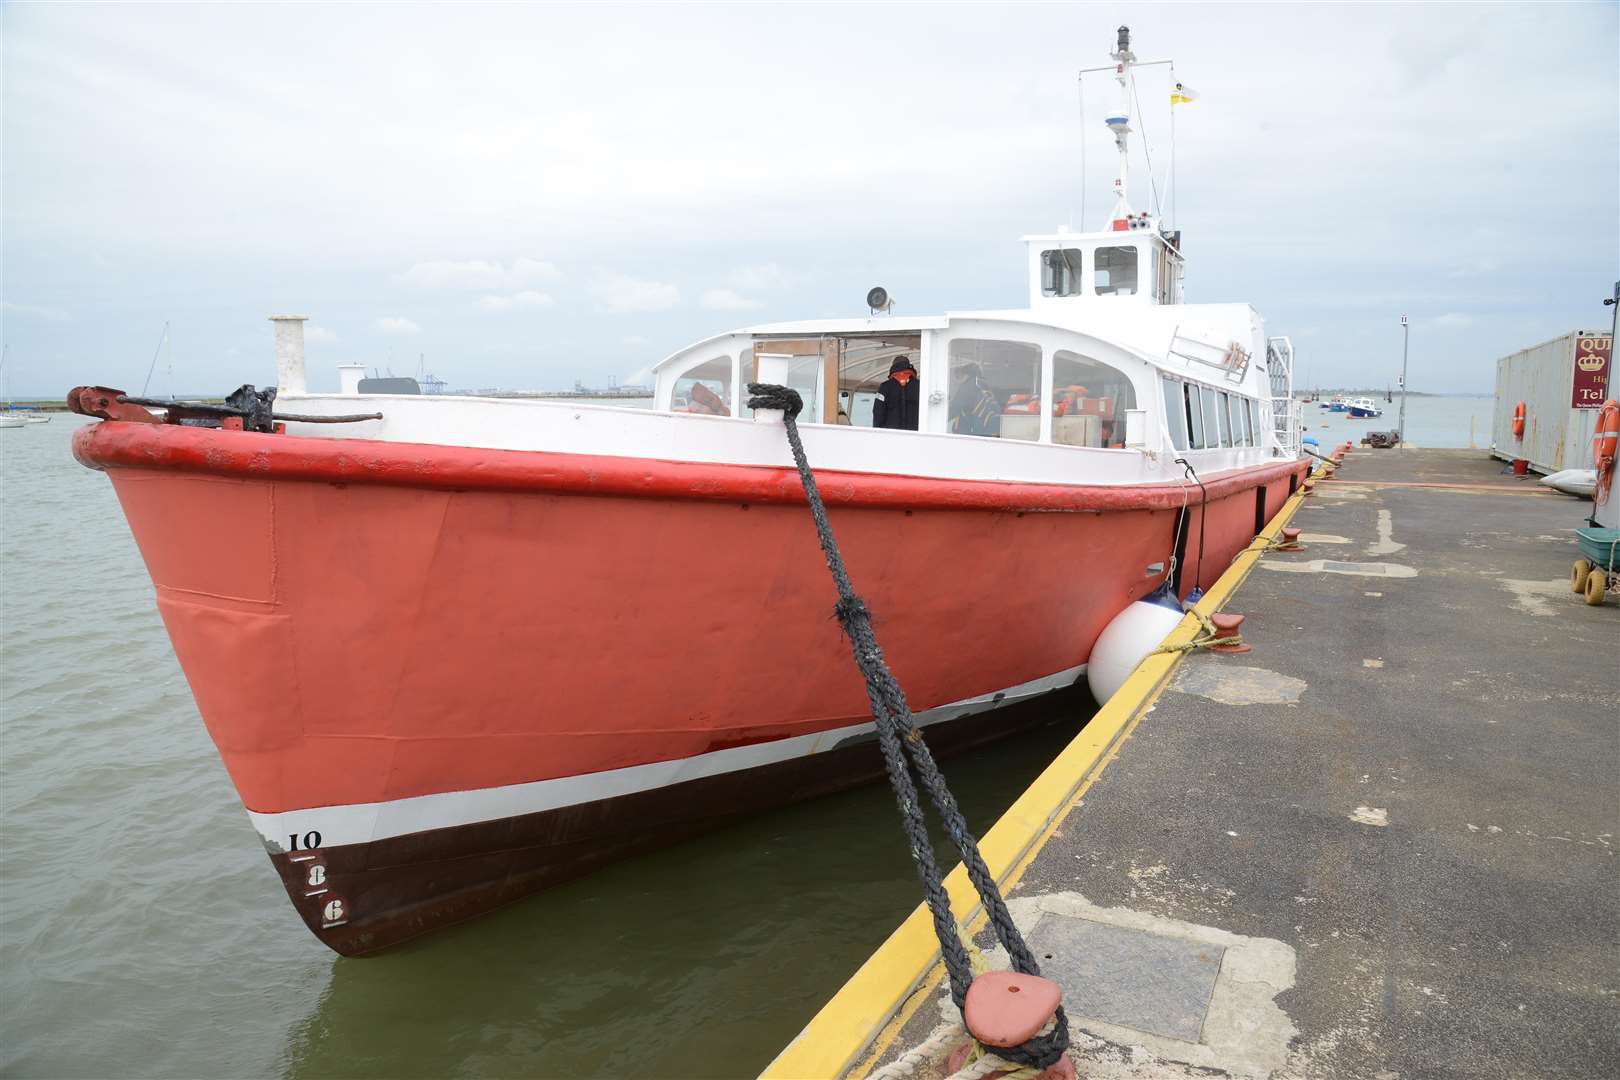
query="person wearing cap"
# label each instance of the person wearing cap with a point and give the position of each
(898, 398)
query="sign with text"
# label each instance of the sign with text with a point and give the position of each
(1592, 355)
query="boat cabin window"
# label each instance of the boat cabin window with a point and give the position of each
(704, 389)
(1251, 415)
(838, 375)
(804, 375)
(1223, 416)
(1195, 416)
(995, 388)
(863, 363)
(1062, 272)
(1212, 426)
(1115, 271)
(1089, 399)
(1175, 414)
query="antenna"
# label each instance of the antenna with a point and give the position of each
(1119, 122)
(155, 354)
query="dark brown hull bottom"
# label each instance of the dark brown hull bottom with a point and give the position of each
(362, 898)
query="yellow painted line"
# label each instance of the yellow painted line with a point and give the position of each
(862, 1009)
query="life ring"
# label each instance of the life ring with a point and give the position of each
(1605, 436)
(1518, 421)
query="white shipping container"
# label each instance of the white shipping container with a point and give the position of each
(1557, 433)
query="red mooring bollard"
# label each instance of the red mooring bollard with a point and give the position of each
(1226, 626)
(1005, 1008)
(1290, 541)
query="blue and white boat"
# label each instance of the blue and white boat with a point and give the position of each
(1362, 408)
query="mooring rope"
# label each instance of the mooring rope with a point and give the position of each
(904, 750)
(1208, 636)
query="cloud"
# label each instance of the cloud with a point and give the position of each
(764, 277)
(1453, 320)
(620, 293)
(396, 326)
(471, 274)
(49, 314)
(726, 300)
(529, 298)
(528, 270)
(319, 334)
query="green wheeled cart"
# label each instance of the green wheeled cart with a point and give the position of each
(1597, 572)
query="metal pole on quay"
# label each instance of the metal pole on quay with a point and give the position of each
(1400, 437)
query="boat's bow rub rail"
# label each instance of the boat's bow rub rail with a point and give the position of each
(248, 455)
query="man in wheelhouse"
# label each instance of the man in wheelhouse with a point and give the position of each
(897, 399)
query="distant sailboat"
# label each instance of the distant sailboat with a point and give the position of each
(8, 419)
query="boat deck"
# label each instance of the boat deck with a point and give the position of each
(1380, 845)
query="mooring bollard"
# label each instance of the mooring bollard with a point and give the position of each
(1227, 626)
(1006, 1009)
(1290, 541)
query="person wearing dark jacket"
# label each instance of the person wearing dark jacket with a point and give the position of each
(897, 399)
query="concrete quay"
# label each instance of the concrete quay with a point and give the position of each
(1380, 845)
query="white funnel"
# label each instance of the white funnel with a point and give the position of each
(290, 353)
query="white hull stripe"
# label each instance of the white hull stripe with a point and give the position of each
(360, 823)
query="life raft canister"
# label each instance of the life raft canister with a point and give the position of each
(1518, 421)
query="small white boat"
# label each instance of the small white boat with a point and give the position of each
(37, 418)
(7, 420)
(1578, 482)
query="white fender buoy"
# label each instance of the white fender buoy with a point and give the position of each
(1125, 643)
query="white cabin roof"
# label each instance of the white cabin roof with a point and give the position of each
(1147, 330)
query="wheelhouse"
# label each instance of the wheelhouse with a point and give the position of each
(1005, 376)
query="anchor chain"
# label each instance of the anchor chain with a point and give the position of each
(904, 750)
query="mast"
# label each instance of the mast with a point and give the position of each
(1119, 122)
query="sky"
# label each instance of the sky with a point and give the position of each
(523, 196)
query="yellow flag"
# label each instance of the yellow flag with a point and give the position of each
(1183, 94)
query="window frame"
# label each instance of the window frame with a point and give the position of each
(1043, 376)
(1069, 354)
(1078, 271)
(1113, 289)
(1170, 389)
(729, 397)
(1212, 423)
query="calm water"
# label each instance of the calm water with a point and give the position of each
(1431, 422)
(143, 933)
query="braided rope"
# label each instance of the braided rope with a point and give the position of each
(1204, 639)
(903, 751)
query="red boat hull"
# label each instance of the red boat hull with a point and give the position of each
(394, 646)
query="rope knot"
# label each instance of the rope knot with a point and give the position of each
(772, 396)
